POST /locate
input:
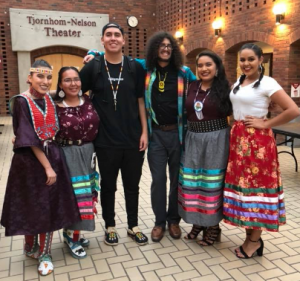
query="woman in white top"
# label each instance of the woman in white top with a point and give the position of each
(253, 194)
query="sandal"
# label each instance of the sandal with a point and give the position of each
(84, 242)
(46, 266)
(196, 229)
(259, 251)
(212, 234)
(76, 249)
(238, 249)
(136, 234)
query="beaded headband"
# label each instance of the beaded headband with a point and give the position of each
(40, 70)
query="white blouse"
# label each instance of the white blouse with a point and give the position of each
(253, 101)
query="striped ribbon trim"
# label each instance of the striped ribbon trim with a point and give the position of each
(199, 197)
(201, 178)
(274, 198)
(247, 190)
(252, 224)
(83, 188)
(242, 205)
(199, 210)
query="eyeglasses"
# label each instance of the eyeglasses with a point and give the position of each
(70, 80)
(164, 46)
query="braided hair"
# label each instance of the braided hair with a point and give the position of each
(258, 52)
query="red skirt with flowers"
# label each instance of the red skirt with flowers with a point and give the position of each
(253, 194)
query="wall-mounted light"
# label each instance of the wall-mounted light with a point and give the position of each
(179, 37)
(217, 26)
(279, 11)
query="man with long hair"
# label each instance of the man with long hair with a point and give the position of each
(165, 86)
(164, 97)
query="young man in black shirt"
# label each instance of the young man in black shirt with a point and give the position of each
(117, 85)
(167, 79)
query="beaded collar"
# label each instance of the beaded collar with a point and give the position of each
(35, 93)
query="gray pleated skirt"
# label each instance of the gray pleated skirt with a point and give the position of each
(85, 182)
(201, 177)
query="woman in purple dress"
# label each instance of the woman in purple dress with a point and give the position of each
(39, 198)
(78, 122)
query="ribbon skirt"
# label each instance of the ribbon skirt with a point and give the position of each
(253, 193)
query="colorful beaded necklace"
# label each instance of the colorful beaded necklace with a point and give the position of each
(45, 123)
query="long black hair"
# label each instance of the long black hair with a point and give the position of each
(59, 80)
(152, 48)
(259, 53)
(220, 88)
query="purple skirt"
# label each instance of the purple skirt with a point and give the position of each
(30, 206)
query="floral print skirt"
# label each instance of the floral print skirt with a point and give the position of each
(253, 193)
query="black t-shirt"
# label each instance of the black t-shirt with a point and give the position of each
(165, 105)
(119, 128)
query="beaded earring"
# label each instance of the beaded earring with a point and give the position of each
(61, 94)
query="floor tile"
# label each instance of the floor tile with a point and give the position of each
(168, 260)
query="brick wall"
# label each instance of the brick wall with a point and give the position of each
(117, 10)
(244, 21)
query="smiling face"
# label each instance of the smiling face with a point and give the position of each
(113, 40)
(165, 50)
(70, 83)
(41, 82)
(249, 63)
(206, 69)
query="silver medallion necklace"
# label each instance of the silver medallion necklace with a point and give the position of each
(198, 105)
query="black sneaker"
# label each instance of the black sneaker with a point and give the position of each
(111, 237)
(137, 236)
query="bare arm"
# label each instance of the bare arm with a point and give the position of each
(40, 155)
(142, 114)
(290, 112)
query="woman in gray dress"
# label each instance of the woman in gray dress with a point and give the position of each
(204, 161)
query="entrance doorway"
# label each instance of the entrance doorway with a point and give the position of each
(57, 61)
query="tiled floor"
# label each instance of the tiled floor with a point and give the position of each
(168, 260)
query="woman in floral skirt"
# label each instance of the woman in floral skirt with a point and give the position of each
(253, 194)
